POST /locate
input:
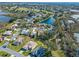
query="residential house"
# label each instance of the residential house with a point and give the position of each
(34, 32)
(13, 27)
(18, 41)
(25, 32)
(14, 36)
(30, 45)
(5, 38)
(1, 39)
(71, 21)
(8, 33)
(1, 26)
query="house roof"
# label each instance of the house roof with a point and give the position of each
(8, 32)
(25, 31)
(16, 43)
(20, 39)
(30, 44)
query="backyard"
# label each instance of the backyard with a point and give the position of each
(4, 54)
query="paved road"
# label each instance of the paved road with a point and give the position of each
(12, 52)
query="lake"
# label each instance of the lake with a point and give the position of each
(49, 21)
(4, 18)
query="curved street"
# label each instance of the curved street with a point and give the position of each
(12, 52)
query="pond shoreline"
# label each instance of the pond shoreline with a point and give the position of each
(49, 20)
(3, 18)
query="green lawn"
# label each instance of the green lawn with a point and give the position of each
(4, 54)
(40, 43)
(2, 30)
(2, 42)
(58, 53)
(26, 53)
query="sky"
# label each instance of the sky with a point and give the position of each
(39, 0)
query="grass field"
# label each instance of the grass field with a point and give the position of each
(2, 42)
(4, 54)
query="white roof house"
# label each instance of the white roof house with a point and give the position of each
(14, 26)
(8, 33)
(70, 21)
(14, 36)
(20, 39)
(1, 39)
(34, 31)
(31, 45)
(25, 32)
(74, 10)
(5, 38)
(75, 16)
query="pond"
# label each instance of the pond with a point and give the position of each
(4, 18)
(49, 21)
